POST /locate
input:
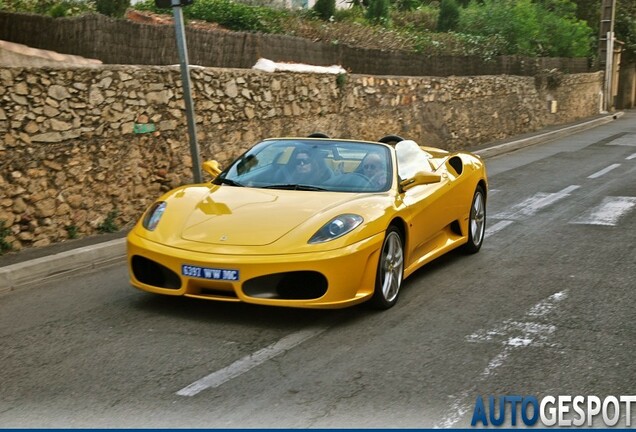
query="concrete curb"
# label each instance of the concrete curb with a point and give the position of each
(509, 146)
(41, 269)
(46, 268)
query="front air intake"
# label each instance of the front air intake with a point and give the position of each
(152, 273)
(299, 285)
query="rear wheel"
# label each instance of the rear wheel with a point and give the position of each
(390, 270)
(476, 222)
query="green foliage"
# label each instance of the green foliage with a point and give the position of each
(325, 9)
(529, 28)
(109, 225)
(378, 12)
(341, 80)
(625, 27)
(406, 5)
(4, 233)
(112, 8)
(54, 8)
(448, 16)
(230, 14)
(72, 231)
(68, 8)
(485, 27)
(424, 18)
(350, 15)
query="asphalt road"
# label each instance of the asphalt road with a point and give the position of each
(546, 308)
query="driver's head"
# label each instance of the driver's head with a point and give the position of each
(302, 162)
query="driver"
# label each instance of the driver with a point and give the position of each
(307, 167)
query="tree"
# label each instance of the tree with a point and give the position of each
(325, 9)
(448, 16)
(625, 26)
(379, 11)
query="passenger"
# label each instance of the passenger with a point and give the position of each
(374, 168)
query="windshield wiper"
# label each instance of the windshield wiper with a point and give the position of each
(230, 182)
(293, 186)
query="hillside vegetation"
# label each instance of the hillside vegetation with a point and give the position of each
(486, 28)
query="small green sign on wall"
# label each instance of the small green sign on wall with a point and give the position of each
(140, 128)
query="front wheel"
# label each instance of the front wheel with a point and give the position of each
(476, 222)
(390, 270)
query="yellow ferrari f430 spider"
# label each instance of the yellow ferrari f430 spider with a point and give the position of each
(311, 222)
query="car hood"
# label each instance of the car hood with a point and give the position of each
(238, 216)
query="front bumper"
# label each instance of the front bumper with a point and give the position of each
(349, 274)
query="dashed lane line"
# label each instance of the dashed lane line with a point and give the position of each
(245, 364)
(603, 171)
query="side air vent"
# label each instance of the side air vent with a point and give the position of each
(456, 163)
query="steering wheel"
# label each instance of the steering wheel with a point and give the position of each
(388, 139)
(362, 177)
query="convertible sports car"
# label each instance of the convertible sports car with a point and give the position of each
(311, 222)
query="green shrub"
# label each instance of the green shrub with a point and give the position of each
(49, 7)
(236, 16)
(529, 28)
(406, 5)
(109, 225)
(72, 231)
(424, 18)
(4, 233)
(325, 9)
(112, 8)
(341, 80)
(448, 16)
(350, 15)
(379, 12)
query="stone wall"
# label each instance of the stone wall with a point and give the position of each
(73, 149)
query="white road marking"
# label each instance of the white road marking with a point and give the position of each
(250, 361)
(604, 171)
(534, 204)
(511, 335)
(457, 410)
(497, 227)
(631, 156)
(544, 307)
(608, 212)
(625, 140)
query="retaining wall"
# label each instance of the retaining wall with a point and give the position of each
(76, 144)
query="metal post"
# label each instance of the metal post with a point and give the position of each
(609, 63)
(187, 94)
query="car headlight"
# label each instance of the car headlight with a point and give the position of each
(336, 227)
(153, 215)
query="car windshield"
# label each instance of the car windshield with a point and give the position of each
(312, 164)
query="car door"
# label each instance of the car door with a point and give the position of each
(432, 210)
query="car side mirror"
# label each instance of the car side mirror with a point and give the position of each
(212, 167)
(420, 178)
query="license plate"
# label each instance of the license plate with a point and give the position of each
(209, 273)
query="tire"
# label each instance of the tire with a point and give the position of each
(476, 222)
(390, 271)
